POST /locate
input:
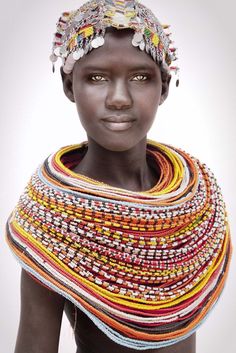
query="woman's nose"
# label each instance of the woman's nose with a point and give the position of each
(118, 96)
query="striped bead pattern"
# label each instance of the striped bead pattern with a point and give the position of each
(146, 267)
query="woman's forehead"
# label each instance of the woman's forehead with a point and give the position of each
(117, 49)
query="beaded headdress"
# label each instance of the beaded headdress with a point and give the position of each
(82, 30)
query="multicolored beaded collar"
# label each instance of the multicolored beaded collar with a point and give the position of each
(146, 267)
(82, 30)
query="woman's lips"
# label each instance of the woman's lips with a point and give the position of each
(118, 123)
(118, 126)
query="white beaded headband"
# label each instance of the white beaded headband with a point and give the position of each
(83, 30)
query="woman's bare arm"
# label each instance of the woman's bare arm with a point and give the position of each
(40, 318)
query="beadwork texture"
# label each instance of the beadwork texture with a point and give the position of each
(83, 30)
(146, 267)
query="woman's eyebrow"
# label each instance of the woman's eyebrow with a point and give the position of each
(105, 67)
(94, 68)
(141, 67)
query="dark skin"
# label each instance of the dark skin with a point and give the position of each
(115, 81)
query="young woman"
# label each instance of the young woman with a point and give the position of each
(128, 236)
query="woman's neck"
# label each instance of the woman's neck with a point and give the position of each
(127, 169)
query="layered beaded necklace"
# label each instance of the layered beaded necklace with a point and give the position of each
(146, 267)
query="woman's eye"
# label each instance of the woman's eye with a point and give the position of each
(97, 78)
(140, 78)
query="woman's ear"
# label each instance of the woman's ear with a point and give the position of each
(166, 77)
(67, 80)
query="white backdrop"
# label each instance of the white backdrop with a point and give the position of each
(36, 119)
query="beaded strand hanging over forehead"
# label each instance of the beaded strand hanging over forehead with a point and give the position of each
(80, 31)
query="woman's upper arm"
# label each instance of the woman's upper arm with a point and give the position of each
(40, 318)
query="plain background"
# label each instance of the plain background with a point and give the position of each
(37, 119)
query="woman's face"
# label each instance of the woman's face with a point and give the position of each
(117, 89)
